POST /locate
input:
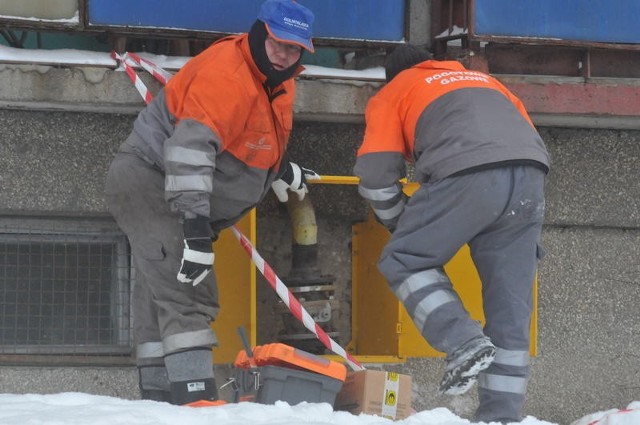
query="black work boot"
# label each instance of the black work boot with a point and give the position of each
(464, 365)
(191, 376)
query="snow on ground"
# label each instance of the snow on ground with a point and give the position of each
(85, 409)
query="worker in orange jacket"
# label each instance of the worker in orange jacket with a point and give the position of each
(481, 166)
(203, 153)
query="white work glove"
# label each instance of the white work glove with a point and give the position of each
(197, 256)
(293, 179)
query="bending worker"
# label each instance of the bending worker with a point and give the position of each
(201, 155)
(481, 166)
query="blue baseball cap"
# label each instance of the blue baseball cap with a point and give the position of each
(288, 22)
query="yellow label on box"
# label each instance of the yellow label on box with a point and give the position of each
(390, 395)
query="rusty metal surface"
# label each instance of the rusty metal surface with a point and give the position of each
(550, 42)
(550, 76)
(558, 95)
(537, 60)
(562, 60)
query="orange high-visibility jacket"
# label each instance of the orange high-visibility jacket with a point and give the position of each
(216, 133)
(446, 119)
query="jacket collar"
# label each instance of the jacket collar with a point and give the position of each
(434, 64)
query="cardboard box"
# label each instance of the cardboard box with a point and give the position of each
(375, 392)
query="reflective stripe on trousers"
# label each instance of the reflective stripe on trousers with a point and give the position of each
(429, 292)
(502, 387)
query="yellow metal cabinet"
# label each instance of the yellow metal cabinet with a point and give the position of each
(381, 329)
(236, 277)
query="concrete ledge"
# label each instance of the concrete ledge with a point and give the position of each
(323, 97)
(103, 90)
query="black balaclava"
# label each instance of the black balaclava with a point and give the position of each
(404, 57)
(257, 37)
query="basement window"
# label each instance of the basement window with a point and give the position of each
(65, 289)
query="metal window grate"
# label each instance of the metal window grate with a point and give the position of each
(64, 289)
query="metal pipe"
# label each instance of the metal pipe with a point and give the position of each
(304, 250)
(303, 221)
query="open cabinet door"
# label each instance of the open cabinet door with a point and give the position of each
(236, 278)
(382, 330)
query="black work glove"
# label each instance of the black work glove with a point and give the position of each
(294, 179)
(197, 257)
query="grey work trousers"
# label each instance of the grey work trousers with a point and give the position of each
(499, 213)
(169, 316)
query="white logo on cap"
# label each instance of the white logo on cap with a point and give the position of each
(296, 23)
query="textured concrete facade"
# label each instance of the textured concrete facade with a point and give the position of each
(62, 126)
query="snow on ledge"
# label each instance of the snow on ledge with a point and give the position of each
(72, 57)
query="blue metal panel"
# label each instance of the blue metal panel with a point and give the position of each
(604, 21)
(377, 20)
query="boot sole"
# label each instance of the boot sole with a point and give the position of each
(461, 379)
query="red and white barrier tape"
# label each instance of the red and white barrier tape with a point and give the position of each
(298, 311)
(622, 416)
(153, 69)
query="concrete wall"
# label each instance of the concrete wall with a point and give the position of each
(589, 330)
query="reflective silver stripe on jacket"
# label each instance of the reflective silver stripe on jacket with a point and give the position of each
(383, 194)
(389, 213)
(507, 384)
(200, 183)
(189, 156)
